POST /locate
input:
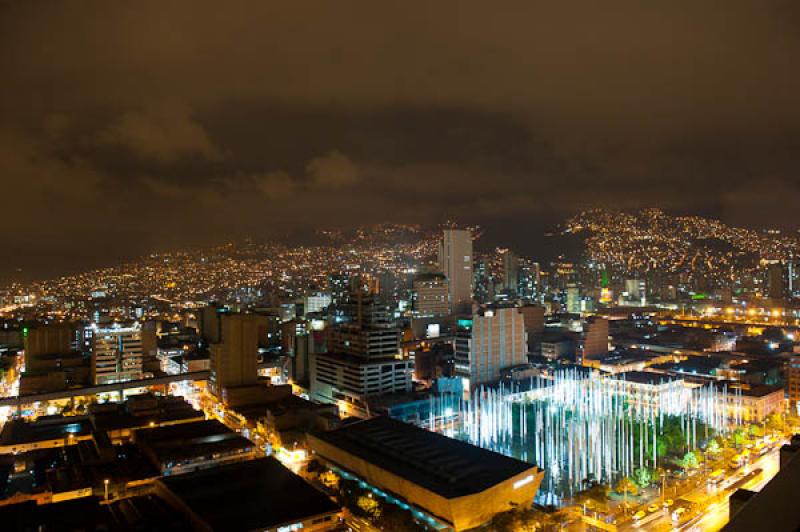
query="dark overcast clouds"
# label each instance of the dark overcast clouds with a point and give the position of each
(126, 127)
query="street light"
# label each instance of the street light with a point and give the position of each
(105, 488)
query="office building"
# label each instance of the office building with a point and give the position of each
(316, 302)
(363, 357)
(234, 360)
(594, 339)
(492, 340)
(45, 341)
(793, 383)
(776, 282)
(117, 353)
(350, 380)
(510, 273)
(430, 295)
(533, 316)
(455, 260)
(209, 323)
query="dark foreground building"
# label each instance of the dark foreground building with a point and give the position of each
(460, 485)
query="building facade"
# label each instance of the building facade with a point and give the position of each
(492, 340)
(455, 260)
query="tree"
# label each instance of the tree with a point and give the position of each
(330, 480)
(625, 486)
(713, 447)
(516, 520)
(642, 477)
(368, 505)
(596, 496)
(689, 461)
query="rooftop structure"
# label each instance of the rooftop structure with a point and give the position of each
(255, 495)
(458, 483)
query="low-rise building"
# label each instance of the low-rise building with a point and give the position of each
(459, 485)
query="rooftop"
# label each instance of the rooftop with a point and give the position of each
(443, 465)
(188, 440)
(249, 495)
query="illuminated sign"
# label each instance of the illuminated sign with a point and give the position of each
(523, 482)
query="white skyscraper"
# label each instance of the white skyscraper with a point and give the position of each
(455, 260)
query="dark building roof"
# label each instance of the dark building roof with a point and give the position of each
(174, 443)
(18, 431)
(448, 467)
(249, 495)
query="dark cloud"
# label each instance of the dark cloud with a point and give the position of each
(129, 126)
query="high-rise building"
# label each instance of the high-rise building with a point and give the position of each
(594, 340)
(490, 341)
(46, 341)
(316, 302)
(209, 323)
(533, 316)
(117, 353)
(483, 292)
(573, 303)
(430, 295)
(234, 360)
(455, 260)
(776, 284)
(363, 358)
(364, 328)
(510, 273)
(793, 384)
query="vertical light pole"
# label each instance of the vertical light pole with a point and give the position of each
(105, 488)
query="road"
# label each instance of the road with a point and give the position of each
(713, 501)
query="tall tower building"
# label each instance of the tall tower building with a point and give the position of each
(234, 361)
(776, 282)
(493, 340)
(455, 260)
(117, 353)
(510, 273)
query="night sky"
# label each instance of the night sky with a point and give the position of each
(127, 127)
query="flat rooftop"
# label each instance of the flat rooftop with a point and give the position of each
(448, 467)
(249, 495)
(189, 440)
(18, 431)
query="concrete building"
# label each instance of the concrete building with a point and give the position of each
(492, 340)
(349, 380)
(117, 353)
(316, 302)
(234, 360)
(510, 273)
(458, 485)
(533, 315)
(793, 383)
(594, 340)
(455, 260)
(363, 356)
(430, 295)
(45, 341)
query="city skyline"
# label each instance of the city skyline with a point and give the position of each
(134, 137)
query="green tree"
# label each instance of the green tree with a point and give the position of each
(689, 461)
(642, 477)
(713, 447)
